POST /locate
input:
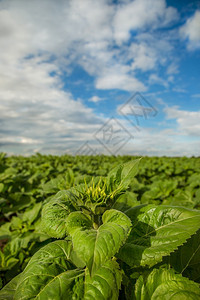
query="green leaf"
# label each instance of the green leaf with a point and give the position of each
(129, 170)
(50, 274)
(126, 201)
(1, 187)
(58, 287)
(7, 262)
(157, 231)
(5, 231)
(105, 284)
(183, 198)
(121, 176)
(55, 213)
(165, 284)
(7, 293)
(94, 247)
(30, 215)
(186, 259)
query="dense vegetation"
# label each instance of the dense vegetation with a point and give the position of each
(99, 227)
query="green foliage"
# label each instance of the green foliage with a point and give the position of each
(165, 284)
(54, 215)
(186, 259)
(157, 231)
(105, 283)
(7, 293)
(95, 247)
(67, 231)
(50, 274)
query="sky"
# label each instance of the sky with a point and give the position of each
(100, 77)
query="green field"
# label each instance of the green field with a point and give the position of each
(154, 201)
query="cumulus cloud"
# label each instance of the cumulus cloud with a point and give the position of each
(138, 14)
(40, 40)
(187, 121)
(80, 31)
(144, 57)
(191, 31)
(119, 81)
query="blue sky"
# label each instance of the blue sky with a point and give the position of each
(111, 77)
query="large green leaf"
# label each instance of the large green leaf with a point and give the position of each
(121, 176)
(7, 293)
(54, 214)
(31, 215)
(157, 231)
(50, 274)
(165, 284)
(105, 284)
(186, 259)
(96, 246)
(51, 286)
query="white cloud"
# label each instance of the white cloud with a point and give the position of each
(41, 38)
(172, 68)
(69, 32)
(139, 14)
(119, 81)
(19, 140)
(187, 121)
(156, 141)
(155, 79)
(159, 143)
(144, 57)
(34, 110)
(149, 53)
(95, 99)
(191, 31)
(179, 140)
(82, 32)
